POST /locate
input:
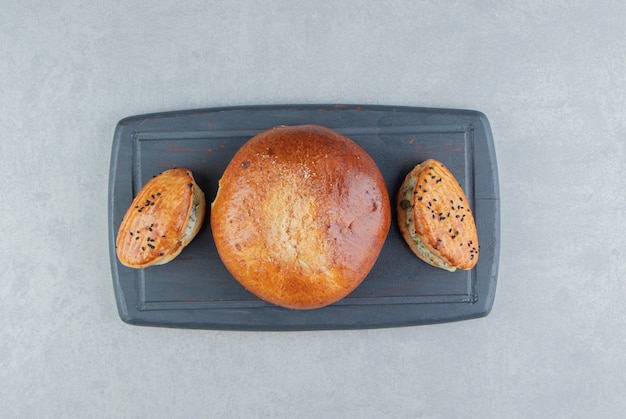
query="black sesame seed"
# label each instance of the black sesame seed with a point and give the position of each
(143, 248)
(158, 193)
(190, 185)
(419, 198)
(160, 254)
(137, 238)
(131, 233)
(151, 246)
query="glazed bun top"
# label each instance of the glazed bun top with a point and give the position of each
(301, 215)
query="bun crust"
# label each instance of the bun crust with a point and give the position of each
(164, 217)
(435, 218)
(301, 215)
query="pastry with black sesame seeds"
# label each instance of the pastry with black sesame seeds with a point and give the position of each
(437, 222)
(164, 217)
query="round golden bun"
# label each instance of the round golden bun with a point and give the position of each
(301, 215)
(435, 219)
(164, 217)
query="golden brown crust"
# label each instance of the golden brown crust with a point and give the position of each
(435, 218)
(156, 226)
(301, 215)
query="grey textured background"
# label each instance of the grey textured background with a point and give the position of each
(551, 77)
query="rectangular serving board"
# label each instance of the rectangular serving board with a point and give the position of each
(196, 291)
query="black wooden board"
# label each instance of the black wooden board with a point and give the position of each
(196, 291)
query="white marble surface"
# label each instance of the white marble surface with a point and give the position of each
(550, 76)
